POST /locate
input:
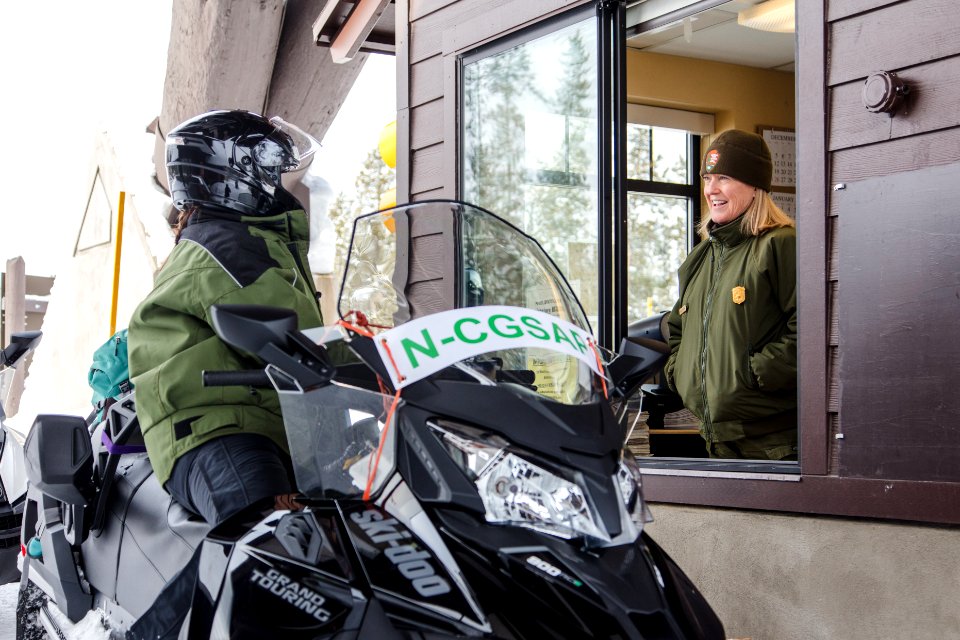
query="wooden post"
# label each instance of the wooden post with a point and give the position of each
(14, 320)
(327, 287)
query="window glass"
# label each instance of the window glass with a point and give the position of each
(669, 156)
(656, 153)
(661, 203)
(657, 231)
(529, 146)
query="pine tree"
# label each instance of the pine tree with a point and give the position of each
(372, 182)
(562, 206)
(494, 132)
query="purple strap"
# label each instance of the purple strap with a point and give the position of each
(120, 449)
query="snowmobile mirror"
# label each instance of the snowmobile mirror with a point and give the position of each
(20, 345)
(642, 353)
(252, 327)
(638, 360)
(271, 334)
(653, 327)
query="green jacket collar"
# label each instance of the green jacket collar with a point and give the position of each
(729, 234)
(292, 225)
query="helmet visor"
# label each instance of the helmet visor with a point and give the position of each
(304, 145)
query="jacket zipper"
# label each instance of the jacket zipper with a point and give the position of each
(707, 312)
(295, 252)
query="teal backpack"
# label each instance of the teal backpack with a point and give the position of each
(109, 375)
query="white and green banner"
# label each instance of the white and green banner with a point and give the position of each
(426, 345)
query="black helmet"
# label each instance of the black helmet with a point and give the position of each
(232, 161)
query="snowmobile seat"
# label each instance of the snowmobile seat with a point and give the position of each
(145, 538)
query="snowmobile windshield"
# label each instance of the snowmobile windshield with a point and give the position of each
(454, 291)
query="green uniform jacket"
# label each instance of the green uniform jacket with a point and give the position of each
(171, 338)
(733, 353)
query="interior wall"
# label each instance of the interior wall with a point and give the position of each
(739, 97)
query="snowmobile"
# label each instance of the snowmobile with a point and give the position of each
(13, 479)
(459, 461)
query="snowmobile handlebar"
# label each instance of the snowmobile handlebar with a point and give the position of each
(256, 378)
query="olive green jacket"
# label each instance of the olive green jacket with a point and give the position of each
(733, 333)
(171, 339)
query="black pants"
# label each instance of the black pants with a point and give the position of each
(225, 475)
(215, 480)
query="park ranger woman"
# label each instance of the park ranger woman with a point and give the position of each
(733, 330)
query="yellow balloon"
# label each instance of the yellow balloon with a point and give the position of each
(388, 200)
(388, 145)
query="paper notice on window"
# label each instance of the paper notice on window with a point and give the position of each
(555, 375)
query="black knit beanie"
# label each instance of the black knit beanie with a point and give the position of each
(740, 155)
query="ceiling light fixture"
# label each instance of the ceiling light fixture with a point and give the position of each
(773, 15)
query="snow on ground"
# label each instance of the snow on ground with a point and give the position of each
(8, 611)
(90, 628)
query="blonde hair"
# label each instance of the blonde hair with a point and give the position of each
(762, 215)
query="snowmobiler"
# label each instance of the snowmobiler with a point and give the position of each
(461, 470)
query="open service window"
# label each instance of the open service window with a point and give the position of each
(692, 73)
(587, 129)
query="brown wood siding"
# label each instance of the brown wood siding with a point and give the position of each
(893, 36)
(934, 502)
(837, 9)
(899, 329)
(426, 80)
(892, 260)
(426, 169)
(427, 125)
(925, 150)
(421, 8)
(931, 105)
(813, 356)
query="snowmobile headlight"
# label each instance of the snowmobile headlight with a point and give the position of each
(516, 491)
(631, 488)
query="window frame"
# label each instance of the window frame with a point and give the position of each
(817, 488)
(691, 190)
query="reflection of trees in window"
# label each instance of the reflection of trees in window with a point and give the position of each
(493, 132)
(657, 226)
(511, 269)
(529, 145)
(562, 211)
(561, 203)
(487, 251)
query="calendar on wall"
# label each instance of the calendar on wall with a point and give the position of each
(786, 201)
(783, 148)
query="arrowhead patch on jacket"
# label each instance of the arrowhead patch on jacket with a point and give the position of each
(739, 294)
